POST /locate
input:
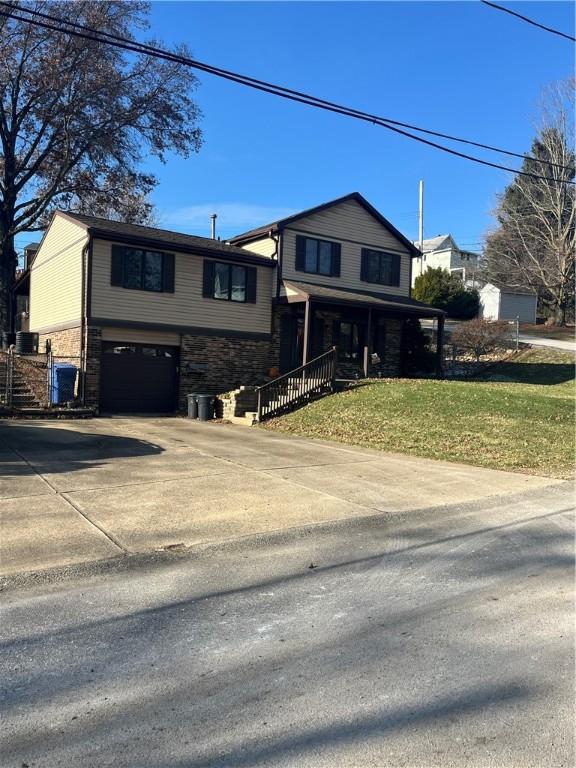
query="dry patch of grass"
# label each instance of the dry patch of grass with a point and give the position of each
(519, 416)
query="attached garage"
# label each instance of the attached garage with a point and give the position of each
(138, 377)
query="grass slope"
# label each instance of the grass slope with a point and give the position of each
(520, 417)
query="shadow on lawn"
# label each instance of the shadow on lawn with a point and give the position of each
(528, 373)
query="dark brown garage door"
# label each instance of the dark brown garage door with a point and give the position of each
(138, 378)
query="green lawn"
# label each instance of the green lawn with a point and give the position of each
(519, 417)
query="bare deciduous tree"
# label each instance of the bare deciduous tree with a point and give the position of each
(534, 243)
(77, 118)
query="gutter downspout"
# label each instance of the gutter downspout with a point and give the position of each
(277, 255)
(84, 312)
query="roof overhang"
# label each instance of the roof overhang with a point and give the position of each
(297, 293)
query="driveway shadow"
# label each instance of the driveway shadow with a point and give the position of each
(62, 450)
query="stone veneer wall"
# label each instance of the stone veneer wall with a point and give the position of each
(389, 367)
(213, 365)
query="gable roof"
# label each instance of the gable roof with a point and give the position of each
(278, 225)
(106, 229)
(503, 288)
(438, 243)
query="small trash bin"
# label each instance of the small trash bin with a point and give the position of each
(205, 407)
(62, 383)
(192, 406)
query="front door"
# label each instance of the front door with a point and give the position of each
(291, 341)
(351, 342)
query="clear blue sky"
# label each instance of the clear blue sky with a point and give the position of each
(458, 67)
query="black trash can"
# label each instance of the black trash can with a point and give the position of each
(192, 406)
(205, 407)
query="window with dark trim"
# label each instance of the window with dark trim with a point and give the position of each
(142, 270)
(380, 267)
(317, 257)
(229, 282)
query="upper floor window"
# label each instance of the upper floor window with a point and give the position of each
(229, 282)
(142, 270)
(380, 267)
(317, 257)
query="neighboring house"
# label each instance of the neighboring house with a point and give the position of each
(153, 315)
(21, 291)
(503, 303)
(442, 251)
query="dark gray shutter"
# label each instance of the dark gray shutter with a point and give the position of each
(168, 272)
(395, 260)
(300, 252)
(116, 271)
(251, 274)
(365, 254)
(336, 259)
(208, 280)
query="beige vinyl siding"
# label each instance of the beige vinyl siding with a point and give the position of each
(141, 336)
(346, 222)
(265, 247)
(186, 306)
(56, 276)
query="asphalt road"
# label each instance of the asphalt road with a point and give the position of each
(436, 638)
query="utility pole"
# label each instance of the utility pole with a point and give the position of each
(421, 224)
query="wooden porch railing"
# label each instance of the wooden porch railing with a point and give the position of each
(298, 386)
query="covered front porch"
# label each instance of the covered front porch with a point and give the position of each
(365, 328)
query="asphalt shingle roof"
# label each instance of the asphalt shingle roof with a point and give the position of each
(165, 238)
(399, 303)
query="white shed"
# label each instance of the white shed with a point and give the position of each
(501, 303)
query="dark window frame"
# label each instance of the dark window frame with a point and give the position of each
(119, 276)
(389, 267)
(229, 268)
(302, 254)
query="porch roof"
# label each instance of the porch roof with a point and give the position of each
(298, 292)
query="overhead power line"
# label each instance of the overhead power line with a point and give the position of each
(281, 90)
(215, 70)
(527, 20)
(88, 33)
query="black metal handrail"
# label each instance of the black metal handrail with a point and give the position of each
(297, 386)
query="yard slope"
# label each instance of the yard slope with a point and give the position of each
(519, 417)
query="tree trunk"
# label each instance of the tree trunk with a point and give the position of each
(8, 261)
(560, 315)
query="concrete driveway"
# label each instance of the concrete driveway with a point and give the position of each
(80, 491)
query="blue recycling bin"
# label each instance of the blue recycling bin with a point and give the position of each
(62, 382)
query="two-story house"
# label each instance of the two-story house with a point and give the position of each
(153, 315)
(442, 251)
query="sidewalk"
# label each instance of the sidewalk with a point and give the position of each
(538, 341)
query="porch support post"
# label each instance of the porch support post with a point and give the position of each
(440, 347)
(368, 343)
(306, 342)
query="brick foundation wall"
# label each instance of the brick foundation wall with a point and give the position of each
(64, 343)
(215, 364)
(66, 348)
(93, 349)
